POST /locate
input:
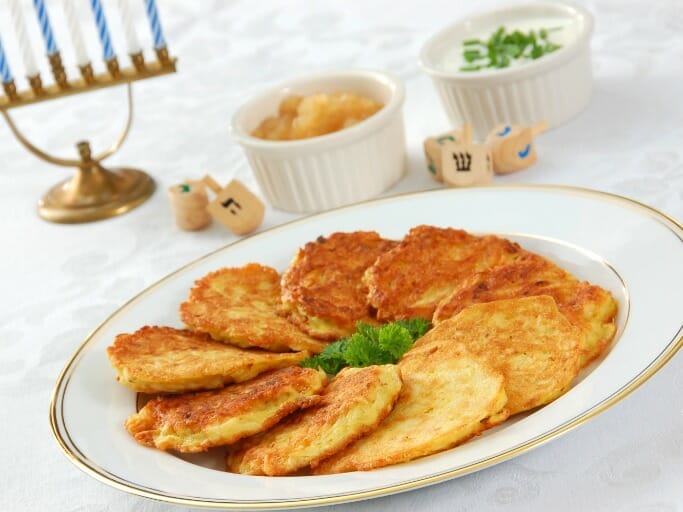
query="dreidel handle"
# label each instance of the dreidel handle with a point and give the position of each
(212, 184)
(539, 128)
(467, 133)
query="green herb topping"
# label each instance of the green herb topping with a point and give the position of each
(503, 47)
(370, 345)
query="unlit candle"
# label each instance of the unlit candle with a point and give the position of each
(45, 27)
(4, 67)
(129, 27)
(102, 30)
(155, 24)
(30, 66)
(70, 12)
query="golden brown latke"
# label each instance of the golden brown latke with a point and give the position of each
(410, 280)
(322, 290)
(195, 422)
(168, 360)
(240, 306)
(354, 402)
(527, 339)
(588, 307)
(448, 396)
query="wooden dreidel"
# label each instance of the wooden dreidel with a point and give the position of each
(512, 147)
(235, 206)
(465, 164)
(433, 147)
(189, 202)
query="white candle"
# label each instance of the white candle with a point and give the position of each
(70, 12)
(20, 28)
(129, 27)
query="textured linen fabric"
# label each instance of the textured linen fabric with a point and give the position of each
(60, 281)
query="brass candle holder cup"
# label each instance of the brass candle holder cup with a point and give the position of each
(93, 192)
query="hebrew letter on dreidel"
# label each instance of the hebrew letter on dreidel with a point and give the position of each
(466, 164)
(512, 147)
(235, 206)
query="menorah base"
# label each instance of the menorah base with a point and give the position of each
(95, 193)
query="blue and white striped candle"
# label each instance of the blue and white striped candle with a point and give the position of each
(4, 67)
(155, 24)
(45, 27)
(102, 30)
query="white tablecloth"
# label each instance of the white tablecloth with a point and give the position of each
(60, 281)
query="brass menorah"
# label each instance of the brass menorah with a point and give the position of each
(93, 192)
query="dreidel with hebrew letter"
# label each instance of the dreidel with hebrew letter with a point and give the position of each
(465, 164)
(512, 146)
(433, 147)
(235, 206)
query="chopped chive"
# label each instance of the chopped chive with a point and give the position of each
(502, 48)
(512, 50)
(471, 55)
(472, 67)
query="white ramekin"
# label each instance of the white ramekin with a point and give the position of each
(555, 87)
(340, 168)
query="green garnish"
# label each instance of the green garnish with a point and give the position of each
(502, 48)
(370, 345)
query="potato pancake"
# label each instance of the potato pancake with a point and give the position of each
(410, 280)
(167, 360)
(587, 307)
(354, 402)
(195, 422)
(448, 396)
(534, 346)
(240, 306)
(322, 290)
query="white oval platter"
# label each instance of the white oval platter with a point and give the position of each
(631, 249)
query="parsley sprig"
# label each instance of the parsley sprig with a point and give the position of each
(369, 345)
(503, 47)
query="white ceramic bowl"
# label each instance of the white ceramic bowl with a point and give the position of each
(331, 170)
(554, 87)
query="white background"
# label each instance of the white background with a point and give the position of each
(58, 282)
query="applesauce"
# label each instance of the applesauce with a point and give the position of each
(301, 117)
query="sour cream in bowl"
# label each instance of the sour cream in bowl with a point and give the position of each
(555, 86)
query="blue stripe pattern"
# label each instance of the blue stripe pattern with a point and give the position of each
(4, 67)
(45, 27)
(102, 30)
(155, 25)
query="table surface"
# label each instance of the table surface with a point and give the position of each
(60, 281)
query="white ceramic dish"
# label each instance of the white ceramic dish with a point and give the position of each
(555, 87)
(599, 237)
(340, 168)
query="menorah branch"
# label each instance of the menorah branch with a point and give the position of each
(78, 85)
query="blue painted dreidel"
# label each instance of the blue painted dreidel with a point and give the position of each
(512, 146)
(235, 206)
(433, 147)
(465, 164)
